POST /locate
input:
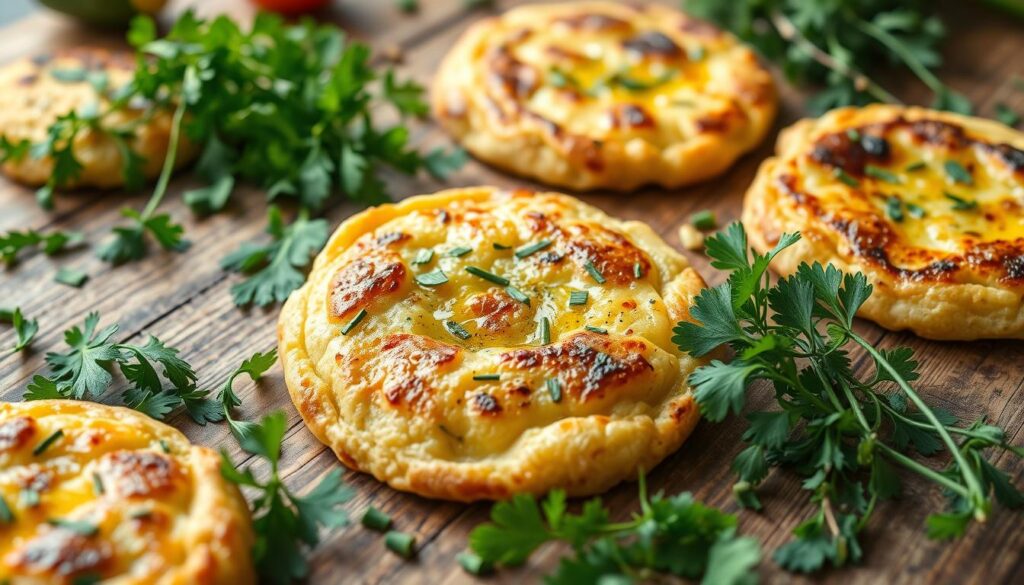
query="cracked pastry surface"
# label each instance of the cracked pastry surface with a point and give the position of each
(477, 343)
(93, 493)
(603, 95)
(929, 205)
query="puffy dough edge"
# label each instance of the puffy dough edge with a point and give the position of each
(568, 449)
(941, 311)
(525, 149)
(218, 535)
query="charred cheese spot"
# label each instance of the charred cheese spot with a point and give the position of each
(614, 256)
(16, 433)
(587, 364)
(653, 44)
(410, 363)
(630, 116)
(129, 474)
(494, 309)
(486, 405)
(59, 552)
(364, 280)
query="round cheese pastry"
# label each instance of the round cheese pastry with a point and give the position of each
(92, 493)
(35, 92)
(604, 95)
(929, 205)
(476, 343)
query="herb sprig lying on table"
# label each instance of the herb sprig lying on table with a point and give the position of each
(24, 328)
(846, 434)
(841, 44)
(285, 523)
(673, 535)
(13, 242)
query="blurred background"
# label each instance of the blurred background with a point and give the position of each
(13, 9)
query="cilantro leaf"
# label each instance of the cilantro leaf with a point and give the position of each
(83, 369)
(129, 242)
(25, 329)
(14, 242)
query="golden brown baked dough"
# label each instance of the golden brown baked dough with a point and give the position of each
(100, 492)
(604, 95)
(451, 390)
(929, 205)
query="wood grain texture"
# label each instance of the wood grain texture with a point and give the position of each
(184, 299)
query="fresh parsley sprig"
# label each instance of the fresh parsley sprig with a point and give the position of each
(14, 242)
(841, 44)
(285, 523)
(25, 329)
(274, 270)
(845, 434)
(674, 535)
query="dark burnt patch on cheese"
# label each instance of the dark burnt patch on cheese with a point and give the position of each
(611, 253)
(127, 474)
(595, 22)
(15, 433)
(59, 552)
(936, 133)
(510, 75)
(494, 309)
(653, 44)
(485, 404)
(390, 238)
(362, 281)
(630, 117)
(1011, 156)
(588, 365)
(410, 363)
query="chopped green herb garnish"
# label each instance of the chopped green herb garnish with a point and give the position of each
(435, 277)
(457, 330)
(97, 484)
(881, 174)
(400, 543)
(165, 447)
(915, 211)
(845, 177)
(594, 272)
(473, 564)
(86, 579)
(958, 173)
(423, 256)
(29, 497)
(961, 204)
(459, 251)
(498, 246)
(486, 377)
(517, 294)
(578, 297)
(545, 331)
(853, 134)
(71, 276)
(408, 6)
(915, 166)
(600, 330)
(374, 519)
(140, 513)
(554, 389)
(894, 208)
(533, 248)
(6, 516)
(489, 276)
(78, 526)
(638, 270)
(696, 53)
(73, 75)
(43, 446)
(355, 321)
(704, 220)
(1007, 115)
(560, 79)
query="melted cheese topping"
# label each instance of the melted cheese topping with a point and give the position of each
(923, 198)
(90, 492)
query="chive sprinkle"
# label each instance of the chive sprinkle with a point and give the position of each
(578, 297)
(498, 246)
(483, 377)
(6, 516)
(853, 134)
(473, 564)
(916, 166)
(881, 174)
(457, 330)
(490, 276)
(78, 526)
(958, 173)
(140, 513)
(97, 484)
(959, 203)
(29, 498)
(594, 272)
(600, 330)
(894, 208)
(355, 321)
(164, 446)
(41, 447)
(533, 248)
(400, 543)
(86, 579)
(704, 220)
(70, 276)
(545, 331)
(459, 251)
(517, 294)
(638, 270)
(423, 256)
(554, 389)
(845, 177)
(915, 211)
(435, 277)
(374, 519)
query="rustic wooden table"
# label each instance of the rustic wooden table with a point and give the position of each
(184, 300)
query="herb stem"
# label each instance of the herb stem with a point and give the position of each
(976, 493)
(172, 153)
(908, 57)
(922, 470)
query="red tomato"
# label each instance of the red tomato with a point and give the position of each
(290, 6)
